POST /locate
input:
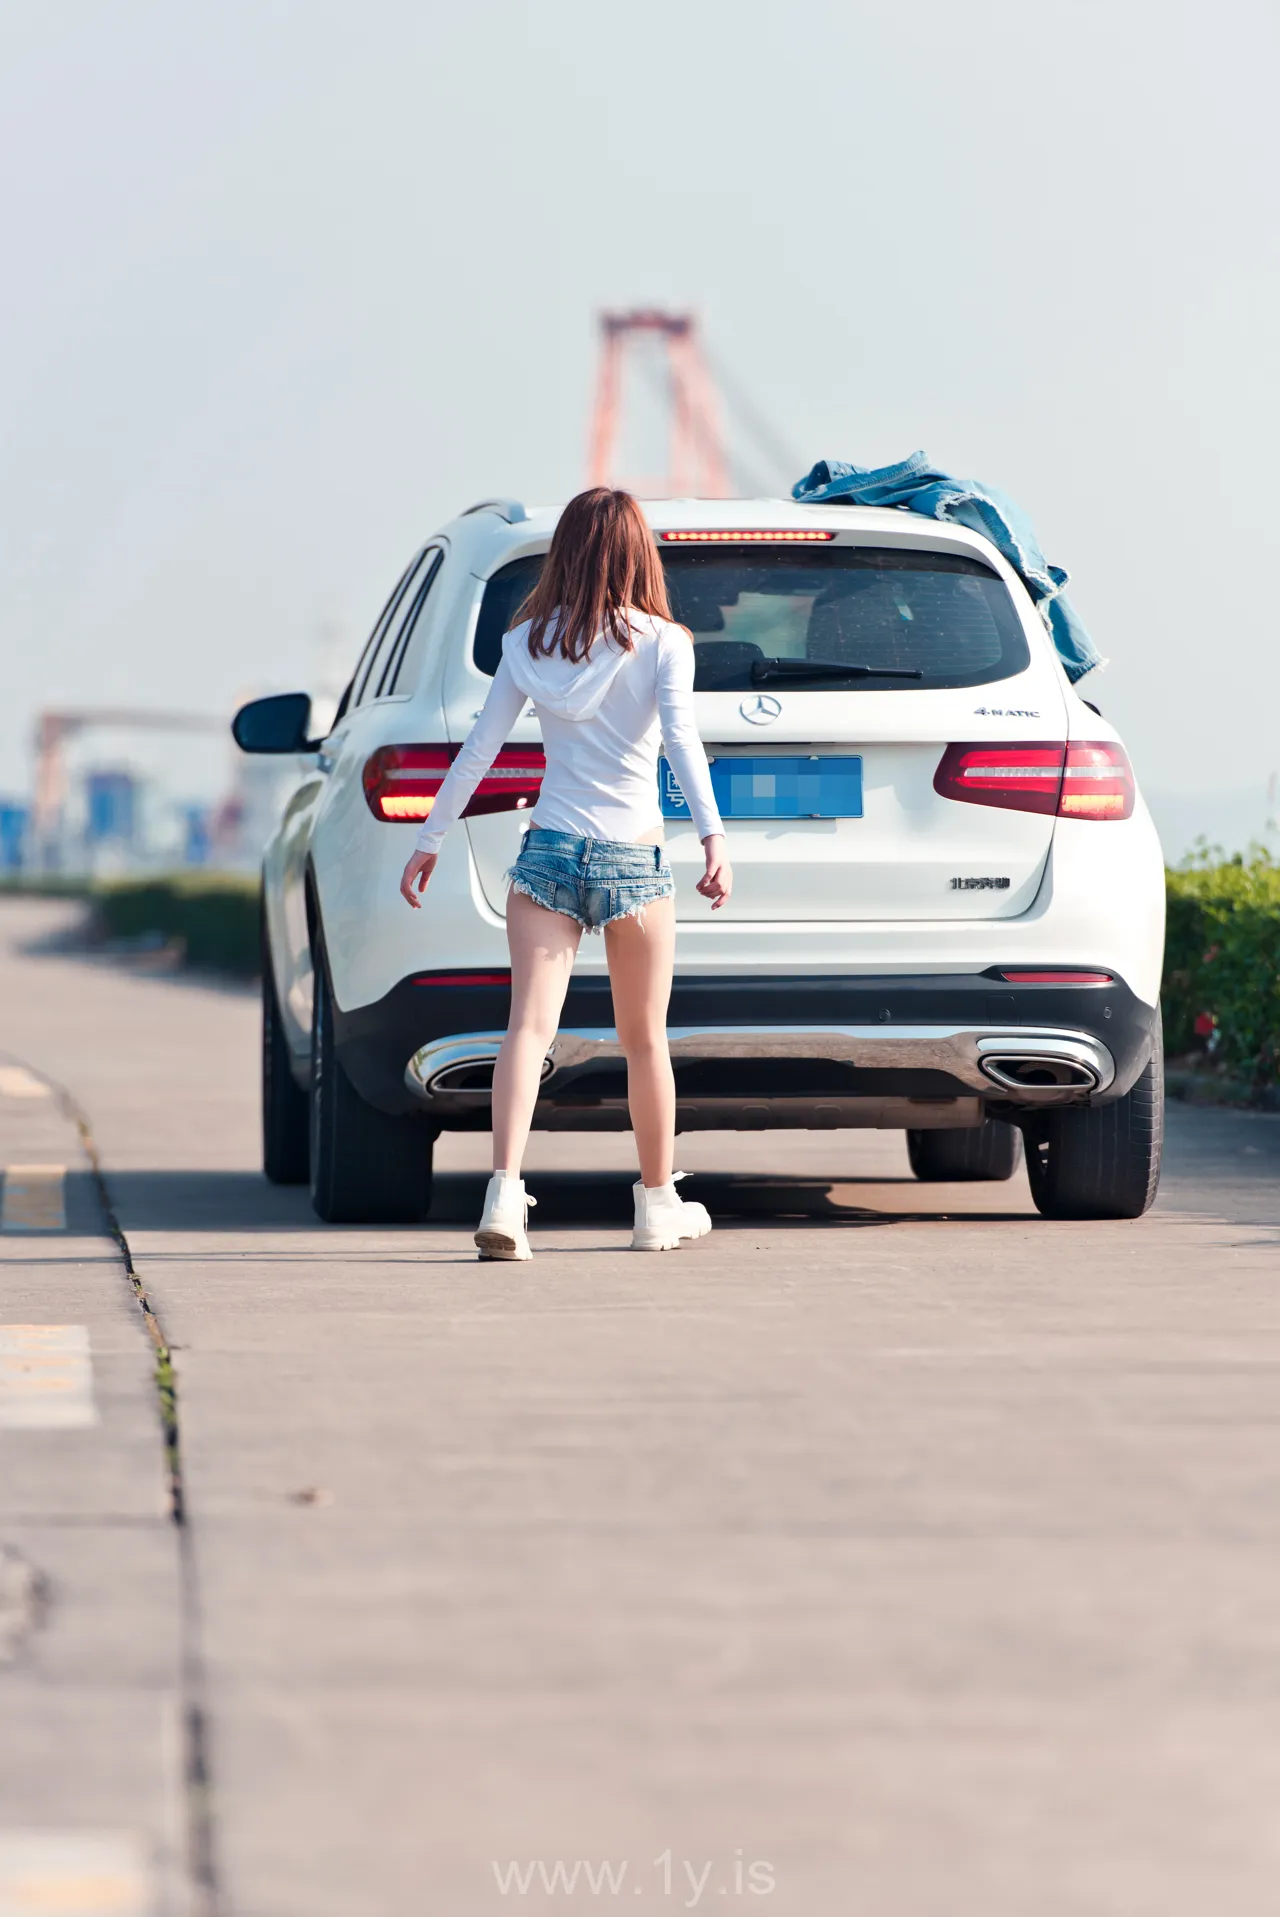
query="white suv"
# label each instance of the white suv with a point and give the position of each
(948, 913)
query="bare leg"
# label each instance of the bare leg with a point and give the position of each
(542, 947)
(641, 957)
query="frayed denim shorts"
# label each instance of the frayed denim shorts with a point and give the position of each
(592, 880)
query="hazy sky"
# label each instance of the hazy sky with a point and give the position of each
(288, 284)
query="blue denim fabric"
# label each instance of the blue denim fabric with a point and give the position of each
(919, 488)
(592, 880)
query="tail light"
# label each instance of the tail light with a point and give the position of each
(1076, 780)
(401, 781)
(1097, 783)
(1022, 778)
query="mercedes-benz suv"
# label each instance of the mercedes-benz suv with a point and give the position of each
(948, 912)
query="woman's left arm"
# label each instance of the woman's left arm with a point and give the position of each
(685, 750)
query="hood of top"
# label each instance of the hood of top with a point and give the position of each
(558, 685)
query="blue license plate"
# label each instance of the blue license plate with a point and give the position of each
(768, 788)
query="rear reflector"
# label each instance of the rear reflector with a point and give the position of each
(401, 781)
(1076, 780)
(464, 978)
(751, 537)
(1057, 978)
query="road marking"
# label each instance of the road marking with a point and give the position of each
(34, 1199)
(17, 1082)
(73, 1874)
(46, 1383)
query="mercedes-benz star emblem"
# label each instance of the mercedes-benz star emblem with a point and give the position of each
(762, 710)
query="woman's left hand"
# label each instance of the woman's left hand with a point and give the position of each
(716, 882)
(416, 874)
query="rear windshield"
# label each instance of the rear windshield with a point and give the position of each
(761, 618)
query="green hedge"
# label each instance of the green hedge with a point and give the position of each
(1222, 964)
(211, 916)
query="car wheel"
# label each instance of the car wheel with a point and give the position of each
(988, 1151)
(286, 1118)
(367, 1167)
(1102, 1163)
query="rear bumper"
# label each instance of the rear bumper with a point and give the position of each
(941, 1049)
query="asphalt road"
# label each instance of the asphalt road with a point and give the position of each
(890, 1552)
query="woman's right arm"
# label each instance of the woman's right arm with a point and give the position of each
(498, 714)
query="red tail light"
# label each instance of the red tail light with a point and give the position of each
(1098, 783)
(1076, 780)
(401, 781)
(1022, 778)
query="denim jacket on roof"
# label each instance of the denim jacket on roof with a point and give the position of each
(914, 485)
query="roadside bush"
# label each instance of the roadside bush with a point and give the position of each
(1222, 964)
(212, 916)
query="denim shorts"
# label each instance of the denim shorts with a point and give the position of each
(592, 880)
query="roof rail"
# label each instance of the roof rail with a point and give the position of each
(509, 509)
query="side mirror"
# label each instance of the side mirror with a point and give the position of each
(278, 724)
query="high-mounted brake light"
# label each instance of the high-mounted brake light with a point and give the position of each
(1076, 780)
(401, 781)
(752, 537)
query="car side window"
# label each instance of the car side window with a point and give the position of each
(365, 679)
(403, 655)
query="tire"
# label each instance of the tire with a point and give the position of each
(1102, 1163)
(286, 1116)
(367, 1168)
(988, 1151)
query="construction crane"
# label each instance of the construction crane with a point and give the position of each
(696, 462)
(54, 729)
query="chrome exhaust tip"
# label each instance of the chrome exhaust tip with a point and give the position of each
(1040, 1066)
(459, 1067)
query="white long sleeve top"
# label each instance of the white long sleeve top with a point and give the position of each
(604, 721)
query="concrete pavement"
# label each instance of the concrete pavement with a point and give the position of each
(890, 1551)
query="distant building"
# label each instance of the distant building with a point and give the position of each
(15, 820)
(111, 809)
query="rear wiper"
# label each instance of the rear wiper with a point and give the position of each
(764, 669)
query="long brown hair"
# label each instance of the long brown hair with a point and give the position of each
(603, 559)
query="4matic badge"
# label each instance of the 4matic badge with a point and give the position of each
(1003, 712)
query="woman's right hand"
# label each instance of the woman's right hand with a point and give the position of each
(716, 882)
(415, 875)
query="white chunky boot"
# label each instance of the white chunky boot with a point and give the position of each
(663, 1218)
(502, 1232)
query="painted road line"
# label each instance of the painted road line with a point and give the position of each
(34, 1199)
(73, 1874)
(17, 1082)
(46, 1382)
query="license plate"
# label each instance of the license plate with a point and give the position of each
(801, 788)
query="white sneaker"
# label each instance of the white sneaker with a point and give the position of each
(663, 1218)
(502, 1232)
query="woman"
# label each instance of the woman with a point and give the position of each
(611, 678)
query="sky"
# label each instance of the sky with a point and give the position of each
(291, 282)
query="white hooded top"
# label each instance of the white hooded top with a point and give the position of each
(604, 721)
